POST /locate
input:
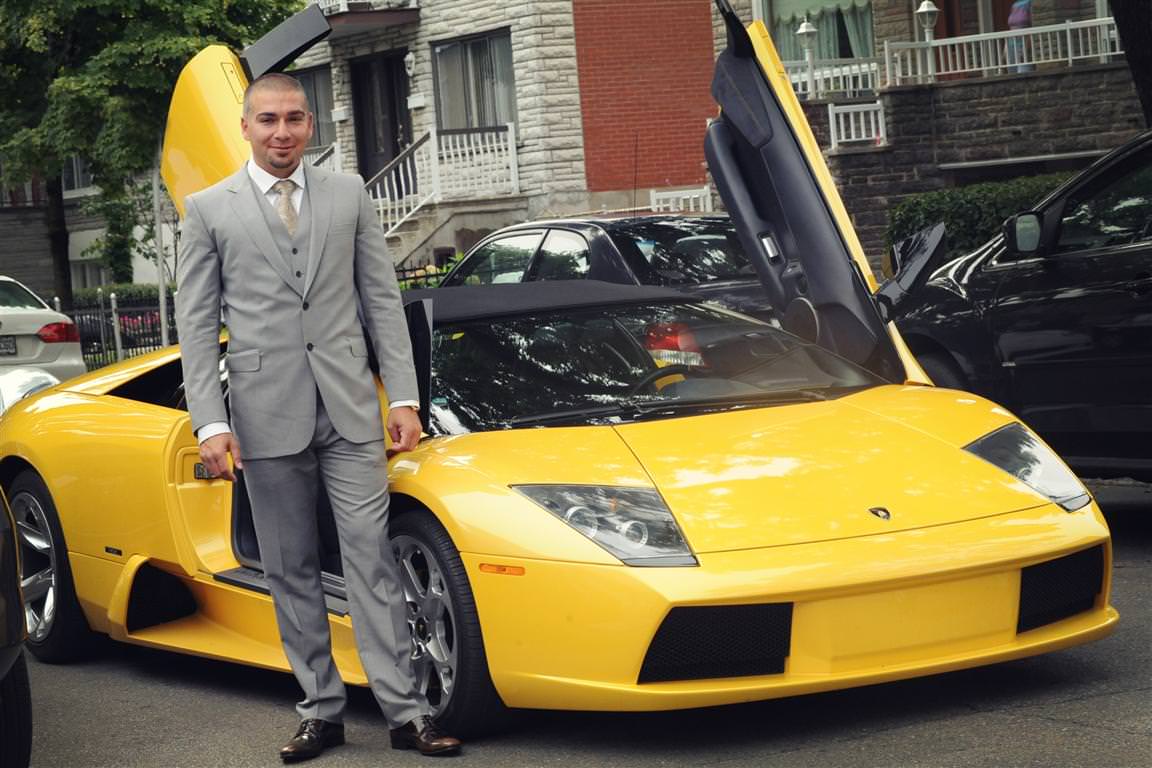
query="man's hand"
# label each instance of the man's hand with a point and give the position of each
(404, 429)
(214, 453)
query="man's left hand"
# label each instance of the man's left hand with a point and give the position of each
(404, 428)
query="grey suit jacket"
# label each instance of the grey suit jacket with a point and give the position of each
(280, 354)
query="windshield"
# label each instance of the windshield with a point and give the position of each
(15, 296)
(676, 251)
(611, 364)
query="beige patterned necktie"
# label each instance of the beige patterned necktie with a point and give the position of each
(284, 188)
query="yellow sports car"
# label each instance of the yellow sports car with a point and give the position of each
(627, 499)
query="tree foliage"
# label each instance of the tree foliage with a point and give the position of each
(93, 78)
(1134, 24)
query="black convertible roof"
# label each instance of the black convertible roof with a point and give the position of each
(473, 302)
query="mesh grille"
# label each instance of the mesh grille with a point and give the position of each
(701, 642)
(1060, 588)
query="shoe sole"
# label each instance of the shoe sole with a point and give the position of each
(404, 743)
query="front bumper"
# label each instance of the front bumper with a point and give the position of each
(863, 610)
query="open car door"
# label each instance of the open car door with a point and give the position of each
(784, 204)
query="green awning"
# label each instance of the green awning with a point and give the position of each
(787, 9)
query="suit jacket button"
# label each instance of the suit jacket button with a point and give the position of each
(309, 346)
(305, 305)
(299, 273)
(294, 251)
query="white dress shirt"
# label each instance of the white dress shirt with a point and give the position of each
(264, 182)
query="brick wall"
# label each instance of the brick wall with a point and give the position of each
(645, 71)
(978, 121)
(25, 255)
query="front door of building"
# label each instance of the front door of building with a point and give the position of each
(379, 96)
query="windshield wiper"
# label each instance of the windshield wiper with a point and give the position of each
(550, 417)
(741, 399)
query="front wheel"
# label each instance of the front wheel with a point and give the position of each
(57, 629)
(448, 655)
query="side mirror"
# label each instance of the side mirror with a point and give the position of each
(910, 261)
(1022, 233)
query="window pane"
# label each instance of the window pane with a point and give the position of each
(475, 86)
(13, 296)
(451, 102)
(500, 261)
(563, 257)
(1116, 211)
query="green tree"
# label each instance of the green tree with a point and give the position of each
(93, 78)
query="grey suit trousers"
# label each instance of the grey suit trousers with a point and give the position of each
(283, 493)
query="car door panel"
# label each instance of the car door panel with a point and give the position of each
(1074, 326)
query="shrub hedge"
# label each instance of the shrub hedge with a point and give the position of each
(972, 214)
(86, 297)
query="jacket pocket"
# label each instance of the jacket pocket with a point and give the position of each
(358, 345)
(244, 362)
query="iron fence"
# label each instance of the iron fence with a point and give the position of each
(112, 330)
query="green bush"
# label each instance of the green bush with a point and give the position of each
(86, 297)
(971, 214)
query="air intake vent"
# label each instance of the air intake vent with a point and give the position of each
(696, 643)
(1060, 588)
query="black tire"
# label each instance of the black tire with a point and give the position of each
(472, 707)
(943, 370)
(65, 635)
(16, 716)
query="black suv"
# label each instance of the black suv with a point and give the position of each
(1053, 317)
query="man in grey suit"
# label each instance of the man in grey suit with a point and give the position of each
(294, 257)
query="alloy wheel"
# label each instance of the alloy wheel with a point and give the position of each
(431, 619)
(38, 564)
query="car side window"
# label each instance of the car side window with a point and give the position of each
(1113, 210)
(503, 260)
(564, 256)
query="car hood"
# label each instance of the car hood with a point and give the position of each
(785, 208)
(813, 472)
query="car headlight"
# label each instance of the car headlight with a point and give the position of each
(1020, 453)
(634, 524)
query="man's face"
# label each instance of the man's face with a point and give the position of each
(278, 125)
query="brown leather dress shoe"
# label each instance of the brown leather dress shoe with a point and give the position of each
(422, 734)
(312, 737)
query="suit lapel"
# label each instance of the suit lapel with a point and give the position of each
(320, 202)
(246, 204)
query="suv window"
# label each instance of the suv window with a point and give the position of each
(1113, 210)
(503, 260)
(564, 256)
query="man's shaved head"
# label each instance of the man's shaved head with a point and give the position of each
(274, 81)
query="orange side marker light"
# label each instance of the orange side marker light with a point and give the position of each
(502, 570)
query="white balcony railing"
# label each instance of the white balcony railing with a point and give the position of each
(326, 157)
(456, 164)
(842, 77)
(857, 124)
(344, 6)
(694, 199)
(997, 53)
(479, 162)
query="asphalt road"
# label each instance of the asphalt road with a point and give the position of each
(1089, 706)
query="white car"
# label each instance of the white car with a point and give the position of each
(33, 335)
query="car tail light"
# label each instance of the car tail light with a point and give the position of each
(56, 333)
(673, 343)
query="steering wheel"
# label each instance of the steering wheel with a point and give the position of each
(653, 376)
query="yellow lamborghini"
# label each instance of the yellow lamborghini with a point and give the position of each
(627, 499)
